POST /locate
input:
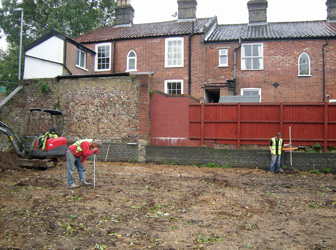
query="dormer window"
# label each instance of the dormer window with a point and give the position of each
(304, 65)
(131, 61)
(80, 58)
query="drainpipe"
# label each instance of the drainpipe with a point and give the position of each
(114, 55)
(323, 83)
(235, 68)
(189, 59)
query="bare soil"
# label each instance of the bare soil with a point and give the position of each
(147, 206)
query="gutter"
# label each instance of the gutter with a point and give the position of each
(235, 68)
(323, 61)
(189, 63)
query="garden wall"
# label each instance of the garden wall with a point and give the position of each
(113, 108)
(238, 158)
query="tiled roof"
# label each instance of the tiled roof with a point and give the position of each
(288, 30)
(170, 28)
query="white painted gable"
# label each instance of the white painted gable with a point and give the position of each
(45, 60)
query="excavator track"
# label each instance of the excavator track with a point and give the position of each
(42, 164)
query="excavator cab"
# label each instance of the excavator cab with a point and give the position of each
(43, 134)
(42, 145)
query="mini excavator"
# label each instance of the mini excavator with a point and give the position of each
(42, 146)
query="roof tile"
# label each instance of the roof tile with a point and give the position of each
(169, 28)
(308, 29)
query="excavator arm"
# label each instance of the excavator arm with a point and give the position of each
(17, 144)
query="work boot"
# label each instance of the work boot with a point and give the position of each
(84, 183)
(73, 186)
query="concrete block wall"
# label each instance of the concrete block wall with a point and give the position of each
(239, 158)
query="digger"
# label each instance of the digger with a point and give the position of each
(42, 146)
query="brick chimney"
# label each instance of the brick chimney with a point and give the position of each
(186, 9)
(124, 13)
(257, 12)
(331, 10)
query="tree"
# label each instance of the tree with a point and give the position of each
(71, 17)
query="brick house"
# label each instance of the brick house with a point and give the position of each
(270, 62)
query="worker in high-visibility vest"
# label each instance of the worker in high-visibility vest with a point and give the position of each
(76, 156)
(275, 146)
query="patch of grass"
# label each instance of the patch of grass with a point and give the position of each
(326, 170)
(75, 198)
(100, 246)
(315, 171)
(206, 239)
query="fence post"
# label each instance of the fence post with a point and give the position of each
(202, 123)
(238, 126)
(325, 141)
(281, 117)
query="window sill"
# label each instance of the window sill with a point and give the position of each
(79, 67)
(169, 67)
(102, 70)
(252, 69)
(223, 66)
(304, 75)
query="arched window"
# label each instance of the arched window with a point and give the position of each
(131, 61)
(304, 64)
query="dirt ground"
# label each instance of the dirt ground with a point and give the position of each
(147, 206)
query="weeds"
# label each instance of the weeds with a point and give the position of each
(100, 246)
(206, 239)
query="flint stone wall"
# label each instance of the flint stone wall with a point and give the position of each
(105, 108)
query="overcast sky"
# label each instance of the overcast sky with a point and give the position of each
(228, 11)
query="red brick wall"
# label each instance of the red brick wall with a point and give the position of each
(71, 61)
(280, 66)
(169, 126)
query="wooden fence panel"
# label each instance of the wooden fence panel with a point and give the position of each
(238, 123)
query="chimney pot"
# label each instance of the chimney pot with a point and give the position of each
(257, 12)
(124, 13)
(186, 9)
(331, 10)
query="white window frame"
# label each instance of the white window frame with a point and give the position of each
(79, 54)
(131, 58)
(223, 53)
(180, 62)
(172, 81)
(299, 64)
(109, 56)
(251, 89)
(252, 57)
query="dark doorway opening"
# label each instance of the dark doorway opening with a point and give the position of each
(211, 95)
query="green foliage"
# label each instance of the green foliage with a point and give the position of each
(317, 147)
(206, 239)
(9, 69)
(100, 246)
(315, 171)
(133, 160)
(44, 86)
(71, 17)
(326, 170)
